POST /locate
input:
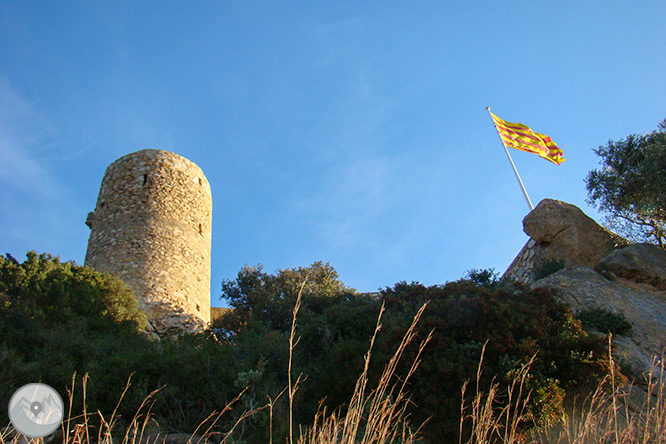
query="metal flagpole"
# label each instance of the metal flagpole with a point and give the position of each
(506, 150)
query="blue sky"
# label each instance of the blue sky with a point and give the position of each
(349, 132)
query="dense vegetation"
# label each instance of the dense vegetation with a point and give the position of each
(515, 324)
(57, 318)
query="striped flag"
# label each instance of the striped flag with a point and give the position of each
(521, 137)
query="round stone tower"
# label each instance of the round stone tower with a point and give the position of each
(152, 228)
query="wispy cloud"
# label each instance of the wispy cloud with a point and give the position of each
(36, 207)
(349, 199)
(22, 133)
(338, 39)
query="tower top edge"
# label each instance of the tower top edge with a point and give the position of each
(153, 155)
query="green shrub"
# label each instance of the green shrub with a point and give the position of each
(58, 319)
(548, 268)
(335, 325)
(548, 402)
(487, 278)
(516, 323)
(605, 321)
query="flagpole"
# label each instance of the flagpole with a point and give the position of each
(522, 187)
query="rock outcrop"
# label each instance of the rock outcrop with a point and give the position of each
(640, 263)
(560, 232)
(567, 234)
(644, 307)
(600, 271)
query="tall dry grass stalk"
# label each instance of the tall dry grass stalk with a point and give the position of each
(488, 423)
(610, 414)
(89, 428)
(293, 387)
(377, 417)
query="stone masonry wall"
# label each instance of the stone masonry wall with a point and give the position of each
(152, 228)
(522, 267)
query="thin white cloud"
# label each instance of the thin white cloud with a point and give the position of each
(23, 131)
(23, 173)
(350, 199)
(339, 41)
(37, 206)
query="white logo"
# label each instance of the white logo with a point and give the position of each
(36, 410)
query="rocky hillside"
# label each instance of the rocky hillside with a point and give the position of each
(599, 270)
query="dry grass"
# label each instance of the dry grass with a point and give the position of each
(488, 423)
(375, 417)
(609, 415)
(89, 428)
(612, 415)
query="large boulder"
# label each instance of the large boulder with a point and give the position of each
(640, 263)
(566, 234)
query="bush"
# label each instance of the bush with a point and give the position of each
(548, 268)
(605, 321)
(58, 319)
(515, 323)
(334, 328)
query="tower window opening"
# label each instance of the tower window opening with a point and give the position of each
(200, 181)
(200, 229)
(145, 178)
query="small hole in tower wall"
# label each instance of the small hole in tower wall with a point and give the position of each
(200, 229)
(200, 181)
(145, 178)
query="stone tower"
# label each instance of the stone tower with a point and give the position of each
(152, 228)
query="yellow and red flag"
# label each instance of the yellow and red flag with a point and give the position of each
(521, 137)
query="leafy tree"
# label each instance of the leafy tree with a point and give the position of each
(55, 293)
(630, 186)
(57, 318)
(334, 326)
(269, 298)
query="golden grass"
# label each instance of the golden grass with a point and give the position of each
(379, 416)
(89, 428)
(487, 422)
(608, 415)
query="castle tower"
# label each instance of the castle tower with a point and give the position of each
(152, 228)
